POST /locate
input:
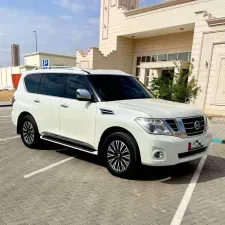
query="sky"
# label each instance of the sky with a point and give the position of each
(62, 26)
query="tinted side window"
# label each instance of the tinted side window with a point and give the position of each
(75, 82)
(53, 85)
(32, 82)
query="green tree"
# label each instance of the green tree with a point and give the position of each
(179, 87)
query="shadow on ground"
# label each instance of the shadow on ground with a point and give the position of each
(214, 167)
(45, 145)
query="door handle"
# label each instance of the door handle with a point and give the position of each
(64, 105)
(37, 100)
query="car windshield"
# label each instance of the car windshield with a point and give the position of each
(118, 87)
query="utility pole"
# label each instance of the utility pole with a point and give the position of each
(35, 33)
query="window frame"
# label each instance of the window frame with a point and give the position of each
(102, 100)
(95, 97)
(42, 82)
(180, 53)
(25, 86)
(160, 55)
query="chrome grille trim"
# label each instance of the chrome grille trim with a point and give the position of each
(189, 124)
(185, 130)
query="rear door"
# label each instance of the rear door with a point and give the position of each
(52, 88)
(26, 101)
(77, 118)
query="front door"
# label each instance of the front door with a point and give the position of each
(77, 118)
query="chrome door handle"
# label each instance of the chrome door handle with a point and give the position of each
(37, 100)
(64, 105)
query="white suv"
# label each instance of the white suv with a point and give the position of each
(107, 113)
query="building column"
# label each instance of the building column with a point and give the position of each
(142, 75)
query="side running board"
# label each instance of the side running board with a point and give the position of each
(70, 143)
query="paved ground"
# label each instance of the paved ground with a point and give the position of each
(81, 190)
(218, 128)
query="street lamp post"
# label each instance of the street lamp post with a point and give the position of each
(35, 33)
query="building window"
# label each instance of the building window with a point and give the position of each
(154, 58)
(183, 56)
(143, 58)
(172, 57)
(162, 57)
(148, 58)
(138, 61)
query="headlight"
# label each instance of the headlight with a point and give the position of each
(153, 126)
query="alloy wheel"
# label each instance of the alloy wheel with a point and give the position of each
(28, 132)
(118, 156)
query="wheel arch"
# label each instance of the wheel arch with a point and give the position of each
(21, 116)
(112, 130)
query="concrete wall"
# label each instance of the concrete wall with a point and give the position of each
(32, 60)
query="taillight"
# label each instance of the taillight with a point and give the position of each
(189, 146)
(13, 100)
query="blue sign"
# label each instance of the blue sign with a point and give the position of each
(45, 63)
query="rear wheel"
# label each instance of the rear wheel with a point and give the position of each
(121, 154)
(29, 132)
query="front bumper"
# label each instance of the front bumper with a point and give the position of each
(175, 149)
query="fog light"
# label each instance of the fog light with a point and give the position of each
(158, 155)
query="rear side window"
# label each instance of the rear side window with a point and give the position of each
(53, 85)
(32, 82)
(75, 82)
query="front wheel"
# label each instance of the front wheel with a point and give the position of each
(121, 154)
(29, 132)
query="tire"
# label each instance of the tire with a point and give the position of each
(121, 154)
(29, 132)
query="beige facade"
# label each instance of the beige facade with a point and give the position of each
(35, 59)
(145, 41)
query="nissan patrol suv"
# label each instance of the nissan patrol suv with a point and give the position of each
(107, 113)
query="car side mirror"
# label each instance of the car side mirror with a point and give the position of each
(83, 95)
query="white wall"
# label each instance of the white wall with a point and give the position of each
(6, 77)
(6, 74)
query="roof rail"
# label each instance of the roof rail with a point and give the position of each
(59, 67)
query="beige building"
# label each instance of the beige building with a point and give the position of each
(149, 41)
(30, 62)
(36, 59)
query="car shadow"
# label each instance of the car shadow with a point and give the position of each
(94, 159)
(45, 145)
(214, 167)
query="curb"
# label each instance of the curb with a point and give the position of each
(7, 105)
(218, 140)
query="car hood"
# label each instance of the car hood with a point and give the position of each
(158, 108)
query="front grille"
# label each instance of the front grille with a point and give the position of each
(190, 125)
(172, 124)
(193, 152)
